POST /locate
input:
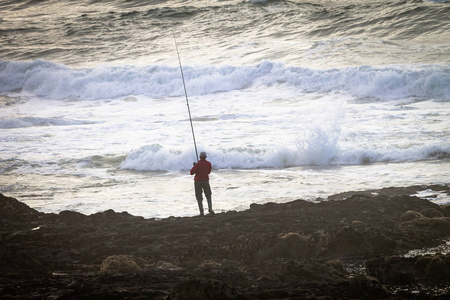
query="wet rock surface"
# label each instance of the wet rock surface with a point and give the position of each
(348, 247)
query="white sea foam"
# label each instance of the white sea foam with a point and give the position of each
(50, 80)
(20, 122)
(158, 158)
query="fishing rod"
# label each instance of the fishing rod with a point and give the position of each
(185, 93)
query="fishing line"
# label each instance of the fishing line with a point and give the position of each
(185, 93)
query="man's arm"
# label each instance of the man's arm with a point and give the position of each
(194, 169)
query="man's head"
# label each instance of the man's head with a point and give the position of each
(202, 155)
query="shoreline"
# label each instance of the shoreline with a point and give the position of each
(352, 248)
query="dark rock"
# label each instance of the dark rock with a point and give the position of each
(446, 210)
(408, 270)
(440, 226)
(347, 241)
(15, 214)
(68, 216)
(119, 264)
(437, 268)
(200, 289)
(391, 270)
(290, 245)
(411, 215)
(431, 213)
(295, 250)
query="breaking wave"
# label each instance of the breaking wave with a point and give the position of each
(20, 122)
(55, 81)
(157, 158)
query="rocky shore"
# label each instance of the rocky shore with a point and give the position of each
(353, 246)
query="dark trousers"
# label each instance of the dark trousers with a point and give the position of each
(200, 187)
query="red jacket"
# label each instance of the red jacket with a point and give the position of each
(201, 170)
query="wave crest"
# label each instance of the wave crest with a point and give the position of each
(157, 158)
(21, 122)
(55, 81)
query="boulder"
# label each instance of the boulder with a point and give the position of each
(347, 242)
(15, 214)
(293, 245)
(431, 213)
(434, 226)
(201, 289)
(411, 215)
(437, 268)
(119, 264)
(446, 210)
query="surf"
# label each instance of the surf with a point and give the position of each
(56, 81)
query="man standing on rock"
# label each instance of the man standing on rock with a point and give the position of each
(202, 169)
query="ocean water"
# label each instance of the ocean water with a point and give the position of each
(290, 99)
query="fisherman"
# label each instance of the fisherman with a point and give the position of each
(201, 181)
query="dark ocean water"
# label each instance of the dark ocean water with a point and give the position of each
(304, 33)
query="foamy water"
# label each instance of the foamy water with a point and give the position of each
(285, 108)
